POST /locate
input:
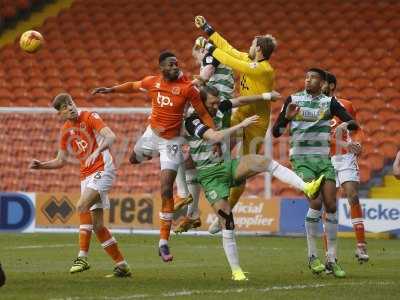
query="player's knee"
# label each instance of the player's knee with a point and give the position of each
(228, 219)
(330, 207)
(97, 226)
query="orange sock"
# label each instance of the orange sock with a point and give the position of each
(166, 215)
(358, 223)
(85, 233)
(110, 245)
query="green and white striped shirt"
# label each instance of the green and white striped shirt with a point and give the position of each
(310, 129)
(205, 153)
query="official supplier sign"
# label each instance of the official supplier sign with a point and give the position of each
(251, 214)
(380, 215)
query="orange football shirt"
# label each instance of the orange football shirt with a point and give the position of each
(168, 101)
(356, 136)
(81, 138)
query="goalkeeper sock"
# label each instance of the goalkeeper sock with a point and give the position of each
(85, 233)
(110, 245)
(331, 227)
(230, 248)
(194, 190)
(311, 223)
(181, 186)
(285, 175)
(166, 215)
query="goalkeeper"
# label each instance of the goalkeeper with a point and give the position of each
(257, 77)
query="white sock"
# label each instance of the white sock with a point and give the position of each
(82, 254)
(181, 186)
(311, 224)
(194, 190)
(230, 248)
(285, 175)
(162, 242)
(331, 228)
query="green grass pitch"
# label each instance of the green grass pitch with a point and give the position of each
(37, 267)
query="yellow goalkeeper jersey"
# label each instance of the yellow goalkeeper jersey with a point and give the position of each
(256, 77)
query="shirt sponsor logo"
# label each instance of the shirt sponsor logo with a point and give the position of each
(163, 100)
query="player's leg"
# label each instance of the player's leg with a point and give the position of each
(223, 211)
(109, 244)
(192, 218)
(351, 190)
(254, 164)
(306, 169)
(81, 264)
(183, 197)
(2, 276)
(145, 148)
(237, 191)
(331, 225)
(171, 158)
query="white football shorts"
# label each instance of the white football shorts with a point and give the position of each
(346, 168)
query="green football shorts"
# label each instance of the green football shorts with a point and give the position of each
(218, 179)
(311, 167)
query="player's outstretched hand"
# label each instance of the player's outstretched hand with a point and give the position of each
(291, 111)
(200, 21)
(201, 42)
(35, 164)
(102, 90)
(250, 120)
(271, 96)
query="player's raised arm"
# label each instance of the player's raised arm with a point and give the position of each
(56, 163)
(127, 87)
(244, 100)
(339, 111)
(218, 40)
(198, 105)
(197, 128)
(288, 112)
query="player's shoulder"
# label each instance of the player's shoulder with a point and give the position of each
(344, 102)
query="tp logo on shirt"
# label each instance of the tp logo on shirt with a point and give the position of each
(163, 100)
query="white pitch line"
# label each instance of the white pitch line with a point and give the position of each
(40, 246)
(228, 291)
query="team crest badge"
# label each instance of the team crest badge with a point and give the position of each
(176, 90)
(157, 85)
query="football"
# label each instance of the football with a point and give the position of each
(31, 41)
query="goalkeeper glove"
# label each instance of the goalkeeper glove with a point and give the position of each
(203, 43)
(201, 22)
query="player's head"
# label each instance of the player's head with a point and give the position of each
(209, 96)
(169, 65)
(329, 85)
(314, 81)
(262, 47)
(198, 53)
(65, 106)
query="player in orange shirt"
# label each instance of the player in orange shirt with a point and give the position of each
(169, 93)
(87, 137)
(344, 152)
